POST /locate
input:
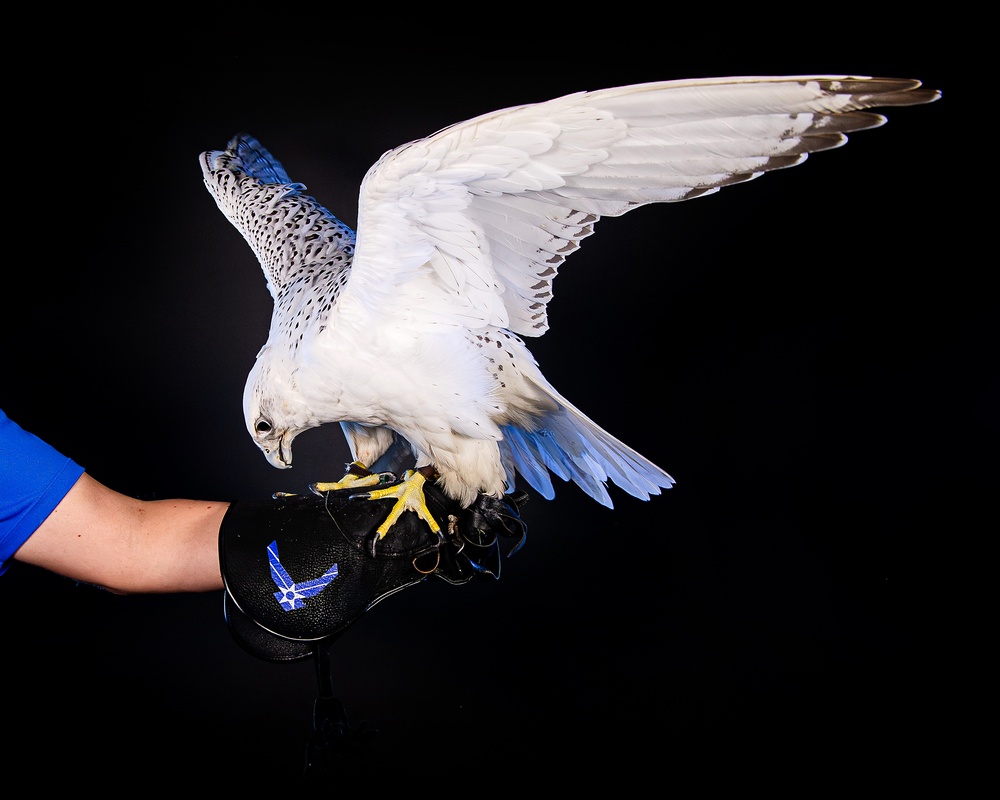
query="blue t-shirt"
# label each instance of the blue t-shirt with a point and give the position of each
(34, 478)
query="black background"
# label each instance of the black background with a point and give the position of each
(811, 356)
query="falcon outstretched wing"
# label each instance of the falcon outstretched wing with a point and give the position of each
(471, 225)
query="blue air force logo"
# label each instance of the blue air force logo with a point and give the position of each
(293, 595)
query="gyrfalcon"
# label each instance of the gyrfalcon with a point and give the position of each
(409, 332)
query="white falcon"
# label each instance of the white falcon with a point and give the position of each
(413, 327)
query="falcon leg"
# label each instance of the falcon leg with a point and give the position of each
(409, 494)
(357, 475)
(409, 497)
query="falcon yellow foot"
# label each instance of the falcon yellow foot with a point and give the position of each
(357, 476)
(409, 497)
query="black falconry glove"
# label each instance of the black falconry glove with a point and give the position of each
(299, 569)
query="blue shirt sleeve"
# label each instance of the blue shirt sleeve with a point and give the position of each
(34, 478)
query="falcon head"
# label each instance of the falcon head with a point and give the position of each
(274, 413)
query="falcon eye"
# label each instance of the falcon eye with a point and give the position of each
(262, 426)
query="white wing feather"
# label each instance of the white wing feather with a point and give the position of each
(470, 226)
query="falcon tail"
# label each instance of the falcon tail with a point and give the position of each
(572, 446)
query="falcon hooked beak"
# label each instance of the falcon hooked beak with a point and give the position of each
(275, 444)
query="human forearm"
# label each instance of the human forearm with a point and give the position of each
(101, 537)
